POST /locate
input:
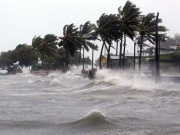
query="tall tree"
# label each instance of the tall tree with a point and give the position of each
(45, 46)
(70, 41)
(107, 30)
(24, 54)
(146, 29)
(128, 18)
(87, 34)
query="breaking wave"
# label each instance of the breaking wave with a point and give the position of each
(93, 119)
(169, 93)
(132, 80)
(24, 124)
(97, 84)
(55, 82)
(36, 81)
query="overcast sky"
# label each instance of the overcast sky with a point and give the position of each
(21, 20)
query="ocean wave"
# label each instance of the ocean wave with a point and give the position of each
(72, 76)
(131, 79)
(98, 83)
(55, 82)
(93, 119)
(36, 81)
(24, 124)
(168, 93)
(53, 74)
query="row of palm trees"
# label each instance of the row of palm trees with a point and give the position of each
(128, 23)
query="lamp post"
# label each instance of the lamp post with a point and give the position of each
(159, 36)
(157, 51)
(92, 57)
(139, 64)
(117, 48)
(83, 58)
(134, 54)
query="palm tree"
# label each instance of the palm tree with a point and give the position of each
(70, 41)
(24, 54)
(146, 29)
(48, 46)
(45, 46)
(107, 30)
(102, 24)
(128, 18)
(158, 38)
(87, 34)
(36, 42)
(117, 47)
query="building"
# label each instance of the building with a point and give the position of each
(114, 60)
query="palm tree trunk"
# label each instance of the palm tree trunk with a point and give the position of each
(79, 57)
(92, 57)
(124, 51)
(42, 60)
(108, 56)
(157, 51)
(120, 53)
(29, 63)
(117, 48)
(67, 61)
(110, 62)
(134, 54)
(100, 57)
(140, 54)
(83, 58)
(32, 66)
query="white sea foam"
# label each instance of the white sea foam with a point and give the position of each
(55, 82)
(26, 70)
(130, 78)
(34, 81)
(125, 102)
(3, 71)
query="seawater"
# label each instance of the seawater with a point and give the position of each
(67, 104)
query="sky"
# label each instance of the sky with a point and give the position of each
(21, 20)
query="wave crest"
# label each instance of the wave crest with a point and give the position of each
(55, 82)
(170, 93)
(36, 81)
(93, 119)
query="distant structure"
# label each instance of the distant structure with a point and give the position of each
(129, 59)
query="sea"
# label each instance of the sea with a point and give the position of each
(114, 103)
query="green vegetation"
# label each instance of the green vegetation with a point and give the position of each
(61, 52)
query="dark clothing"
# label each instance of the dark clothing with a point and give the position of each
(90, 75)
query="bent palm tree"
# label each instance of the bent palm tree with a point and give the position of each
(45, 46)
(48, 46)
(146, 29)
(108, 31)
(128, 18)
(70, 41)
(87, 34)
(36, 42)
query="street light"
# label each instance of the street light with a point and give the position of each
(134, 54)
(160, 36)
(93, 57)
(157, 50)
(83, 58)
